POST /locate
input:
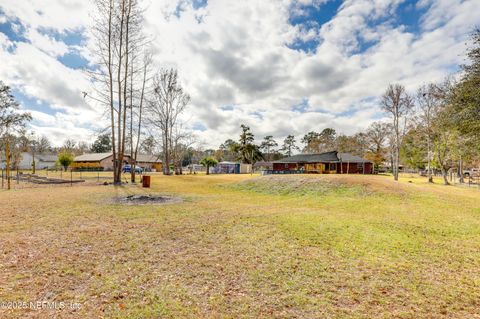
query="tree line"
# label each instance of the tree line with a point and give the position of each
(435, 129)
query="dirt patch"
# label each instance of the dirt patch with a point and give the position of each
(147, 199)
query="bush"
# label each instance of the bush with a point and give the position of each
(65, 158)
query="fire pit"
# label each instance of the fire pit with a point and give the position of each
(148, 199)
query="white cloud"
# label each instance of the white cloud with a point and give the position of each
(46, 43)
(236, 53)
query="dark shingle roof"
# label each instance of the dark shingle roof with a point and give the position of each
(145, 158)
(347, 157)
(328, 157)
(310, 158)
(47, 157)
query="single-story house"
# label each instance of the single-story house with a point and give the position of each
(104, 161)
(42, 161)
(193, 168)
(325, 163)
(263, 166)
(231, 168)
(149, 162)
(25, 160)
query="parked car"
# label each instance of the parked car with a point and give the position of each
(472, 172)
(128, 168)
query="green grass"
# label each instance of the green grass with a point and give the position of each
(243, 246)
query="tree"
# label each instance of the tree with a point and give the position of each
(182, 141)
(355, 144)
(267, 145)
(118, 36)
(398, 104)
(208, 162)
(11, 120)
(33, 148)
(413, 150)
(320, 142)
(138, 106)
(464, 101)
(444, 134)
(169, 101)
(429, 101)
(65, 158)
(312, 142)
(44, 145)
(376, 136)
(69, 145)
(289, 145)
(148, 145)
(102, 144)
(248, 152)
(227, 150)
(82, 148)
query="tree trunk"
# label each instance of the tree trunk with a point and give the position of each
(120, 144)
(110, 85)
(33, 163)
(443, 170)
(208, 170)
(7, 155)
(166, 157)
(460, 171)
(429, 165)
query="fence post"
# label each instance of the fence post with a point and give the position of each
(2, 177)
(71, 178)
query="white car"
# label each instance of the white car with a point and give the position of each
(472, 172)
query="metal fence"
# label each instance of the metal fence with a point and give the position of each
(70, 177)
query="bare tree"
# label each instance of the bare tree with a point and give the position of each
(43, 145)
(429, 101)
(398, 104)
(11, 120)
(376, 137)
(118, 36)
(137, 102)
(169, 101)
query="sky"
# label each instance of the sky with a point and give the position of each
(280, 66)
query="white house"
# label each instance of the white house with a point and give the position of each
(42, 161)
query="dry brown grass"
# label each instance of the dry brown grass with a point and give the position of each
(353, 247)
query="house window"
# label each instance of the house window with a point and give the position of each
(286, 165)
(333, 166)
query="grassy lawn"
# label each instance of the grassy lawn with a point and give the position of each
(245, 246)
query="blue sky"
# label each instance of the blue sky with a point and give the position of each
(283, 68)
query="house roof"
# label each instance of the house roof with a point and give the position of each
(47, 157)
(145, 158)
(328, 157)
(96, 157)
(347, 157)
(310, 158)
(93, 157)
(263, 164)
